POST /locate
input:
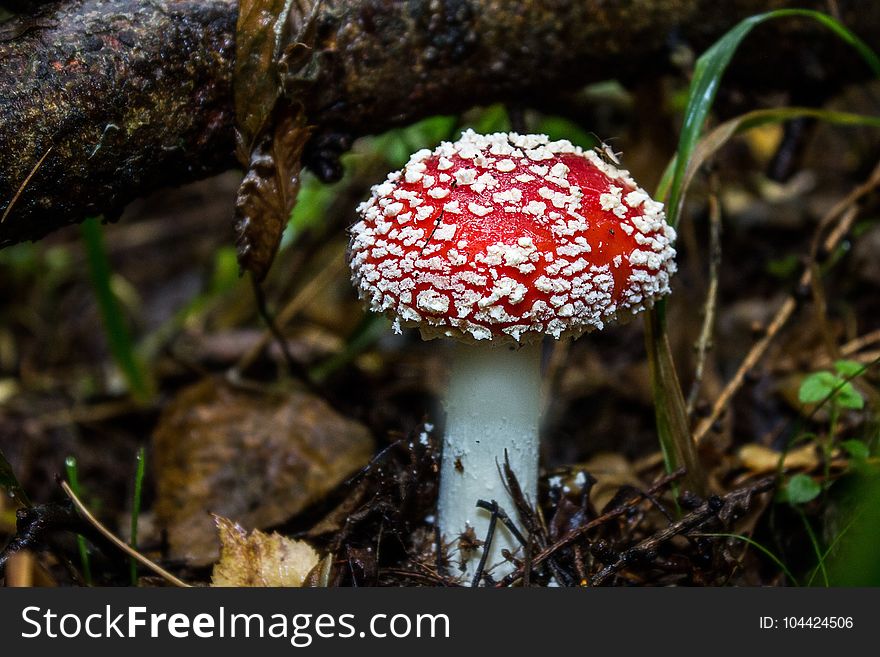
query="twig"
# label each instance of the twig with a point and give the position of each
(34, 524)
(840, 212)
(296, 304)
(724, 508)
(857, 344)
(487, 544)
(523, 506)
(427, 577)
(90, 414)
(820, 308)
(25, 184)
(575, 534)
(496, 509)
(439, 555)
(711, 305)
(755, 354)
(280, 340)
(118, 542)
(531, 520)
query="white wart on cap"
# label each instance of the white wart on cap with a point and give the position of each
(509, 237)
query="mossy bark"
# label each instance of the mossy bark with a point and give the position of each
(128, 95)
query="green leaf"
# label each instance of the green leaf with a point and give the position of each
(849, 397)
(849, 368)
(854, 559)
(858, 450)
(9, 482)
(801, 489)
(709, 69)
(817, 386)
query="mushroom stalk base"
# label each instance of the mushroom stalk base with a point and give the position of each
(493, 404)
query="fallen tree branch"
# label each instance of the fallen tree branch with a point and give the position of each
(131, 95)
(128, 95)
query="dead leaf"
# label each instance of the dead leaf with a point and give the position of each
(760, 459)
(259, 559)
(270, 133)
(257, 457)
(259, 36)
(268, 192)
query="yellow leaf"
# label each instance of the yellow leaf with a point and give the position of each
(259, 559)
(758, 458)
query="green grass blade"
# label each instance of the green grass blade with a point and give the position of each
(136, 508)
(73, 479)
(719, 136)
(824, 556)
(817, 550)
(671, 418)
(9, 482)
(669, 406)
(118, 337)
(671, 413)
(709, 69)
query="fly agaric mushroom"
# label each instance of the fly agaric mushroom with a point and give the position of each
(496, 241)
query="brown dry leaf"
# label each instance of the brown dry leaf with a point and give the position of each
(257, 34)
(271, 132)
(268, 192)
(259, 458)
(259, 559)
(760, 459)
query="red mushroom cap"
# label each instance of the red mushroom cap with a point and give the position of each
(510, 237)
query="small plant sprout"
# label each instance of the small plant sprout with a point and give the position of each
(497, 241)
(834, 389)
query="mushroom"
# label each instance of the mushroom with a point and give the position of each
(497, 241)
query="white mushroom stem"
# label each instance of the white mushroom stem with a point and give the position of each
(493, 404)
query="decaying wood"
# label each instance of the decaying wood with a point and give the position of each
(132, 95)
